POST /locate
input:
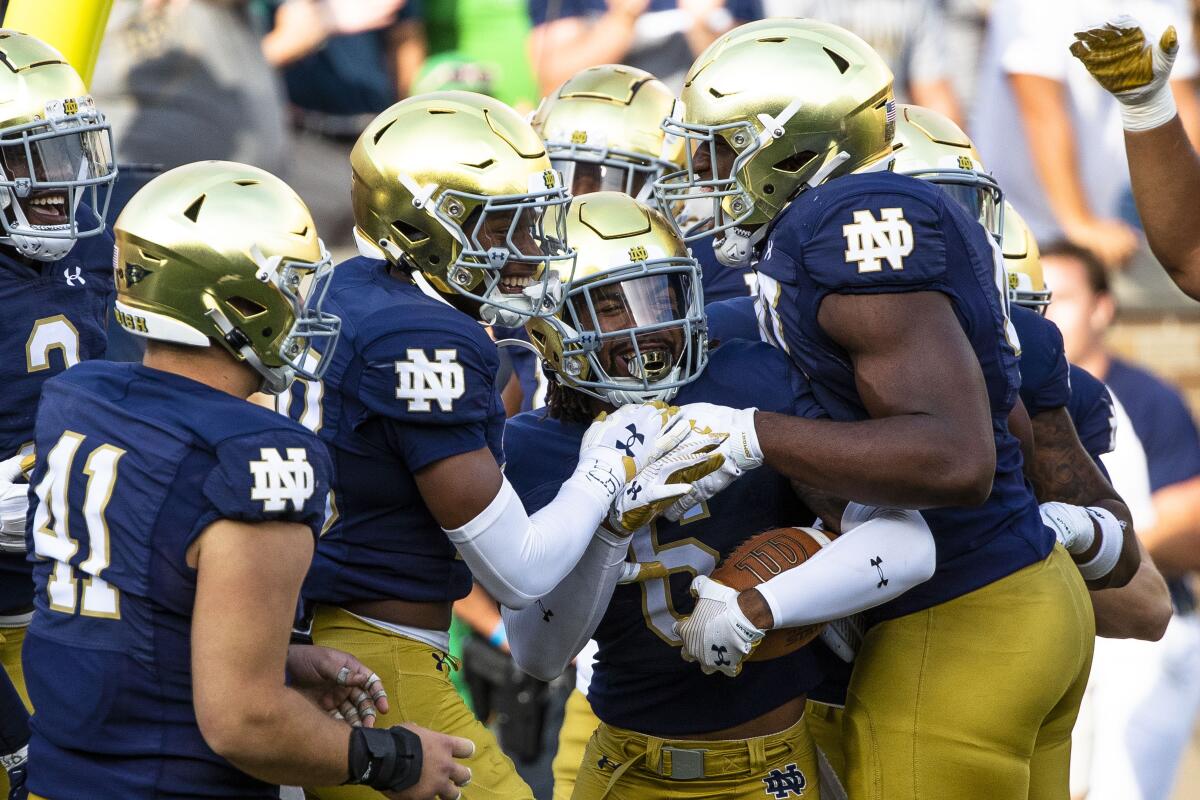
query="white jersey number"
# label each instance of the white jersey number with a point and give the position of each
(49, 334)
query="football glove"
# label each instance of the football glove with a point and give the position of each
(1133, 71)
(665, 481)
(15, 765)
(619, 445)
(14, 502)
(717, 634)
(740, 450)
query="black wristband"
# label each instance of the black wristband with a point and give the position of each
(385, 759)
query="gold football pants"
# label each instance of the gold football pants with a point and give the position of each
(976, 697)
(579, 723)
(11, 640)
(417, 679)
(623, 765)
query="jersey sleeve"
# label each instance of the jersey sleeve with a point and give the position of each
(435, 391)
(273, 475)
(1047, 385)
(1092, 412)
(864, 242)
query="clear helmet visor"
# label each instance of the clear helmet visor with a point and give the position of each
(585, 176)
(977, 193)
(641, 330)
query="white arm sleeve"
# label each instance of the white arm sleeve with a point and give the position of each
(875, 561)
(546, 636)
(519, 558)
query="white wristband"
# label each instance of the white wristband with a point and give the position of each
(1150, 112)
(1112, 541)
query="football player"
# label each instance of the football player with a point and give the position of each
(890, 298)
(633, 329)
(453, 190)
(173, 523)
(56, 174)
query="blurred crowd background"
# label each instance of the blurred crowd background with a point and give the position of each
(288, 85)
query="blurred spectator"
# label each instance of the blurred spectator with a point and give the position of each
(185, 80)
(483, 32)
(1067, 173)
(1145, 694)
(966, 24)
(909, 34)
(662, 37)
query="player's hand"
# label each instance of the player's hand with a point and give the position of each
(717, 634)
(1131, 69)
(619, 445)
(442, 775)
(740, 450)
(1111, 240)
(628, 9)
(337, 682)
(14, 502)
(666, 481)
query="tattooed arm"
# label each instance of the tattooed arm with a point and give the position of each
(1063, 471)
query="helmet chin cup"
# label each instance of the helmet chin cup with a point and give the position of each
(732, 247)
(37, 248)
(509, 311)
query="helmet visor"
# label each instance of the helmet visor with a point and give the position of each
(977, 193)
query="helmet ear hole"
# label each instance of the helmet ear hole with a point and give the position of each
(795, 162)
(411, 234)
(247, 308)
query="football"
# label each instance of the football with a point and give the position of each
(762, 557)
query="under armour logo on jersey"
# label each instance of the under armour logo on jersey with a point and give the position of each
(633, 438)
(421, 380)
(277, 482)
(785, 783)
(877, 562)
(73, 277)
(870, 240)
(721, 650)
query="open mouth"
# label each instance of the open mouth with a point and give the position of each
(653, 361)
(515, 279)
(46, 208)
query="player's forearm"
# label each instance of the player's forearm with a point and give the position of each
(1174, 540)
(1165, 173)
(1051, 140)
(545, 637)
(278, 736)
(556, 58)
(1139, 610)
(903, 461)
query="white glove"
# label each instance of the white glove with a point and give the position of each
(619, 445)
(665, 481)
(717, 634)
(14, 502)
(740, 449)
(1072, 526)
(1134, 72)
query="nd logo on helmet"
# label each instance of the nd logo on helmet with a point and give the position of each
(964, 162)
(579, 137)
(638, 253)
(548, 179)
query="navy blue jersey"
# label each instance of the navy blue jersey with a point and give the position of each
(55, 315)
(641, 683)
(133, 464)
(1161, 420)
(719, 281)
(412, 383)
(1045, 377)
(547, 10)
(886, 233)
(732, 319)
(1091, 409)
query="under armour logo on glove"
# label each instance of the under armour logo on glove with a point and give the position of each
(633, 438)
(876, 562)
(721, 660)
(633, 490)
(785, 783)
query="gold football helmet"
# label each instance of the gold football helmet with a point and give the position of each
(632, 328)
(930, 146)
(217, 251)
(457, 185)
(1023, 263)
(769, 109)
(55, 149)
(603, 131)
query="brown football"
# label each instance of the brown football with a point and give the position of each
(762, 557)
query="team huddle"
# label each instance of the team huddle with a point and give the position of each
(205, 597)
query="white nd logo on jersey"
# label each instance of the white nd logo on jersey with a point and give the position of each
(870, 240)
(276, 482)
(420, 380)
